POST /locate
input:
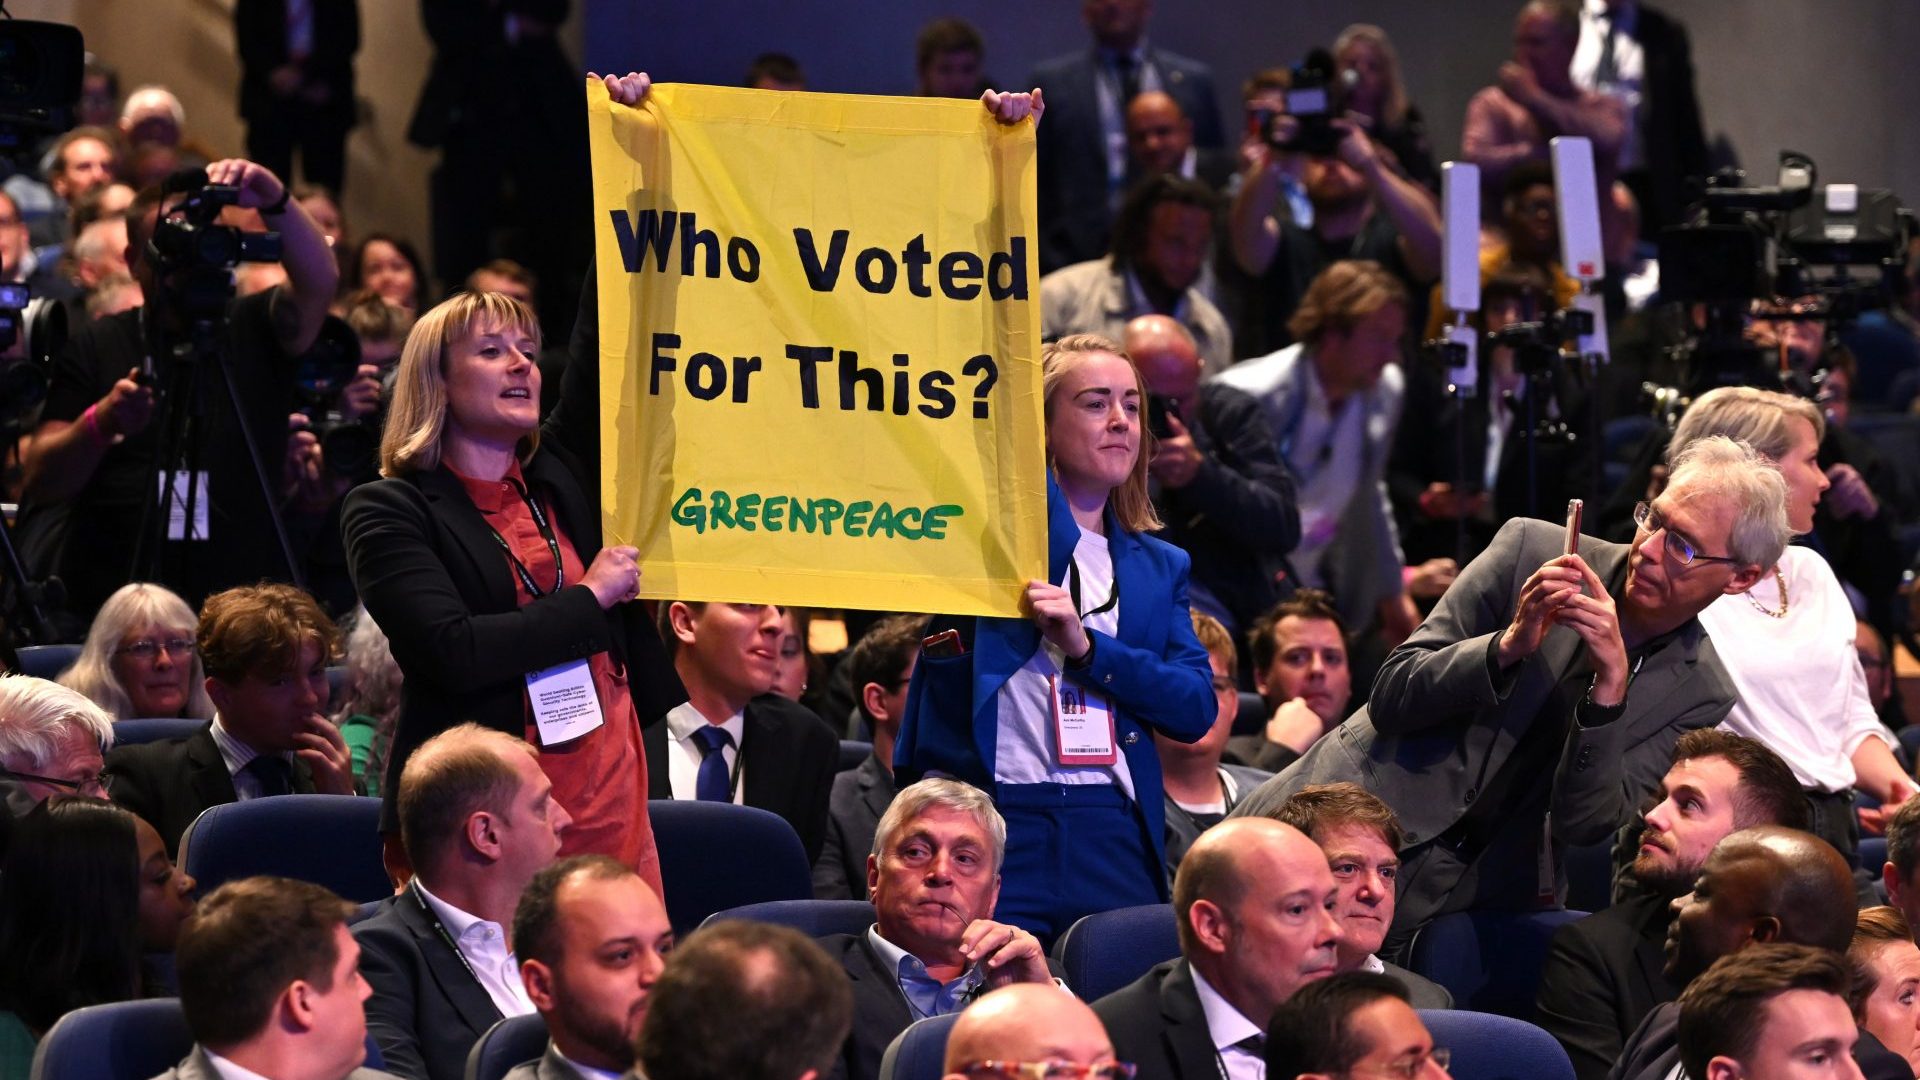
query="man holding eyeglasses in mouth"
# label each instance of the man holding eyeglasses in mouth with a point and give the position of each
(1547, 681)
(51, 742)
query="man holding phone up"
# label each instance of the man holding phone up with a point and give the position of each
(1541, 700)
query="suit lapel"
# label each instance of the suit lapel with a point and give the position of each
(762, 740)
(876, 788)
(653, 739)
(458, 985)
(475, 538)
(207, 773)
(873, 984)
(1189, 1042)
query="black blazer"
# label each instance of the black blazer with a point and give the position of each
(880, 1010)
(1675, 139)
(426, 1011)
(1601, 978)
(168, 783)
(1157, 1023)
(854, 809)
(790, 756)
(260, 36)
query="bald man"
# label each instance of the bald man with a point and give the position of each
(1160, 140)
(1026, 1022)
(1217, 480)
(1255, 902)
(1765, 885)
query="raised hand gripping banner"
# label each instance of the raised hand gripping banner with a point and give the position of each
(819, 349)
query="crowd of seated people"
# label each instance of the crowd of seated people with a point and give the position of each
(1360, 680)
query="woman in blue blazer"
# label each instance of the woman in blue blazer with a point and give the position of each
(1051, 713)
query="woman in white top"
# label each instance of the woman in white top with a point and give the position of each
(1788, 641)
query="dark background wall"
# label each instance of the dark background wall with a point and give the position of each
(1837, 79)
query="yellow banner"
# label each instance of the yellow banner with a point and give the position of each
(819, 349)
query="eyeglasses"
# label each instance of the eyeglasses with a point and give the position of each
(1050, 1070)
(96, 783)
(147, 649)
(1678, 546)
(1409, 1068)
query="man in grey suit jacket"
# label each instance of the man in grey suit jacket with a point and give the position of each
(879, 666)
(1583, 668)
(270, 983)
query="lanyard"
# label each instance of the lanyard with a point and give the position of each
(1073, 589)
(427, 910)
(546, 533)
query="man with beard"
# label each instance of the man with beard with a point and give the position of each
(1603, 973)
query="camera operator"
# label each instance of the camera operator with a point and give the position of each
(97, 451)
(1362, 209)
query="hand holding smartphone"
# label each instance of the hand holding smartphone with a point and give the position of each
(1575, 510)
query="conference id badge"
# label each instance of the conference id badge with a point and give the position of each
(565, 704)
(1082, 724)
(177, 500)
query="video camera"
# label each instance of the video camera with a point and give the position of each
(195, 255)
(1315, 95)
(350, 447)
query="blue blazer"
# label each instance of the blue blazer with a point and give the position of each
(1155, 672)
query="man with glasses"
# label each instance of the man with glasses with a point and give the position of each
(1031, 1033)
(51, 742)
(1550, 682)
(1354, 1024)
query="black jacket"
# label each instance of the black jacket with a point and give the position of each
(1602, 976)
(168, 783)
(427, 1009)
(1157, 1023)
(859, 798)
(790, 756)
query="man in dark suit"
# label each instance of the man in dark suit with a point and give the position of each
(1522, 673)
(265, 649)
(1082, 148)
(1603, 974)
(879, 667)
(1255, 902)
(296, 84)
(479, 820)
(1641, 55)
(733, 740)
(934, 946)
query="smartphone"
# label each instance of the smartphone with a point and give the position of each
(1158, 410)
(1575, 509)
(945, 643)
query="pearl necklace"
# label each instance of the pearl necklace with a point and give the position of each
(1762, 608)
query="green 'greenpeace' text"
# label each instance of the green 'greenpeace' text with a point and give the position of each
(751, 512)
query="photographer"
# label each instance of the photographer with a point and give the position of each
(97, 452)
(1362, 209)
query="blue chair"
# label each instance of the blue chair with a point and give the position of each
(852, 753)
(814, 918)
(1872, 855)
(1489, 1047)
(1910, 741)
(919, 1053)
(154, 729)
(331, 840)
(127, 1038)
(1489, 960)
(1103, 952)
(47, 661)
(513, 1041)
(715, 856)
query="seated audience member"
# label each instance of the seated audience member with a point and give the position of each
(367, 716)
(878, 667)
(733, 740)
(1376, 97)
(798, 668)
(1356, 1023)
(744, 1001)
(1603, 974)
(140, 659)
(1300, 668)
(949, 56)
(85, 891)
(1160, 140)
(1019, 1027)
(51, 742)
(1770, 1011)
(323, 206)
(1876, 663)
(1255, 902)
(1598, 658)
(592, 938)
(1760, 886)
(1333, 400)
(97, 255)
(1160, 241)
(934, 876)
(1362, 840)
(1883, 951)
(265, 648)
(153, 116)
(478, 819)
(1901, 873)
(1217, 481)
(391, 268)
(270, 983)
(1200, 787)
(775, 71)
(381, 328)
(1527, 244)
(117, 293)
(81, 160)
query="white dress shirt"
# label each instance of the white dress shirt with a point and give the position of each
(1628, 80)
(588, 1072)
(227, 1070)
(683, 760)
(237, 756)
(484, 946)
(1227, 1027)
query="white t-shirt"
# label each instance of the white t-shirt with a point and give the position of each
(1023, 751)
(1802, 692)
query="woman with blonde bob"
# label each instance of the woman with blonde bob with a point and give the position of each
(140, 659)
(1053, 714)
(1788, 641)
(480, 557)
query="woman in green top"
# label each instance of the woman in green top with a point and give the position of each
(372, 704)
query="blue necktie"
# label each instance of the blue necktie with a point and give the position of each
(273, 773)
(713, 783)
